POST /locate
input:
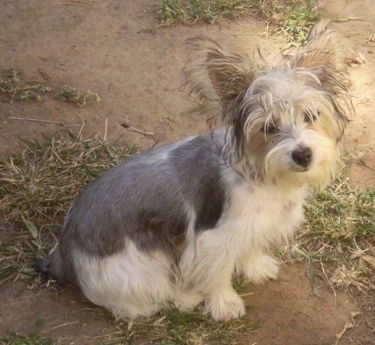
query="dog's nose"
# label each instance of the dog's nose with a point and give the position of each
(302, 156)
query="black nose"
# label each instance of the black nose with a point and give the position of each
(302, 156)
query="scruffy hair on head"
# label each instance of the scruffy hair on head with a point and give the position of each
(219, 79)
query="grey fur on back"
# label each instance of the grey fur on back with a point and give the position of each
(146, 199)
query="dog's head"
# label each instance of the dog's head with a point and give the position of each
(283, 123)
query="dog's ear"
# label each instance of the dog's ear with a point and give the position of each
(323, 56)
(216, 77)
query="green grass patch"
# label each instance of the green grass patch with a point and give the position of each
(298, 21)
(33, 338)
(17, 339)
(208, 11)
(340, 231)
(172, 327)
(294, 18)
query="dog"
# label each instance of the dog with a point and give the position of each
(176, 223)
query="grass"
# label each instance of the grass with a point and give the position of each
(293, 18)
(340, 232)
(14, 88)
(209, 11)
(298, 21)
(33, 338)
(170, 327)
(37, 186)
(173, 327)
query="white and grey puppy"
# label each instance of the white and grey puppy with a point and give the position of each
(177, 222)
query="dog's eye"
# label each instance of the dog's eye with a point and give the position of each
(311, 117)
(269, 128)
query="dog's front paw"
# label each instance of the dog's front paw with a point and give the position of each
(225, 306)
(187, 301)
(263, 268)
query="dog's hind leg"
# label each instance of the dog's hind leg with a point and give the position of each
(130, 283)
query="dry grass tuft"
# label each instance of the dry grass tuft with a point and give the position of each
(36, 189)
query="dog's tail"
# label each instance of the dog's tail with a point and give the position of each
(51, 267)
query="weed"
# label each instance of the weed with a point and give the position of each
(15, 88)
(78, 98)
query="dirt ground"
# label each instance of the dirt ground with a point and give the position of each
(114, 49)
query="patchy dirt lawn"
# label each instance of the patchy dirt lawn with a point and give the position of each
(114, 48)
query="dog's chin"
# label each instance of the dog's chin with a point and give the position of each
(299, 169)
(317, 175)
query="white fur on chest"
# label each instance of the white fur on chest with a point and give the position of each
(263, 215)
(257, 218)
(260, 217)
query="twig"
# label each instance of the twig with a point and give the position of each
(348, 325)
(362, 161)
(139, 131)
(77, 2)
(329, 282)
(59, 326)
(347, 19)
(83, 123)
(36, 120)
(106, 335)
(105, 129)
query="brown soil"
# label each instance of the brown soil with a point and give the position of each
(113, 48)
